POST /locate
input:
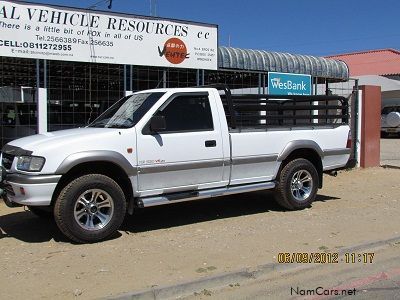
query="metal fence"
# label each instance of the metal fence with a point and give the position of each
(349, 90)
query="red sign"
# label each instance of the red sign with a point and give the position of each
(174, 50)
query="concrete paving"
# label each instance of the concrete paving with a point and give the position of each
(390, 151)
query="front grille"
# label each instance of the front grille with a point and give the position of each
(7, 160)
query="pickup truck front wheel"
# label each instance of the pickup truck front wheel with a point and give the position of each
(297, 185)
(90, 208)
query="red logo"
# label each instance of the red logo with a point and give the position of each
(174, 50)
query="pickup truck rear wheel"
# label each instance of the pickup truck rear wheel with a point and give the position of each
(90, 208)
(297, 185)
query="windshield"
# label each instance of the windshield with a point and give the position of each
(126, 112)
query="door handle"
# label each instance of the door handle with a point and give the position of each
(210, 143)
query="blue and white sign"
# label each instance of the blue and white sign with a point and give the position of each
(289, 84)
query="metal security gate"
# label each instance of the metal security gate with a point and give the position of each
(349, 90)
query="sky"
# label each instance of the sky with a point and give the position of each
(313, 27)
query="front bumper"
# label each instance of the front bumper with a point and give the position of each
(34, 190)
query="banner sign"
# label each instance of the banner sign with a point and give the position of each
(51, 32)
(289, 84)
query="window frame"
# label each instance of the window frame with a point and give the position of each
(146, 128)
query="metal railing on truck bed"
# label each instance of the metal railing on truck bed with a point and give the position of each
(265, 111)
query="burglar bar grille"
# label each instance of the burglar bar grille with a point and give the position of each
(263, 110)
(257, 111)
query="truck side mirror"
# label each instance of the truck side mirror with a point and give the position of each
(157, 123)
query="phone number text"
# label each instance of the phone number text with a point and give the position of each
(32, 45)
(73, 40)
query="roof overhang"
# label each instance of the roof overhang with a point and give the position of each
(260, 60)
(386, 84)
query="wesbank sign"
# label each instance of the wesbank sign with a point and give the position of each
(289, 84)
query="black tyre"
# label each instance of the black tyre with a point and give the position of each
(297, 185)
(90, 208)
(44, 212)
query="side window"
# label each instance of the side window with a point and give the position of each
(188, 113)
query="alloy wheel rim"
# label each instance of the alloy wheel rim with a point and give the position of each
(94, 209)
(301, 185)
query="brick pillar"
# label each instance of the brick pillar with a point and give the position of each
(370, 126)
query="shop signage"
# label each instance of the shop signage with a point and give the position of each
(52, 32)
(289, 84)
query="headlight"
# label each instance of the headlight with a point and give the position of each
(30, 163)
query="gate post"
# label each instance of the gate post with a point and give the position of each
(370, 126)
(42, 110)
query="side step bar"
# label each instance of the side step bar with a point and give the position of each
(196, 195)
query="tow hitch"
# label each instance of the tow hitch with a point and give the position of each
(332, 173)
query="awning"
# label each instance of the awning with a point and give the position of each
(260, 60)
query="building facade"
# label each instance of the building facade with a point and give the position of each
(43, 92)
(379, 67)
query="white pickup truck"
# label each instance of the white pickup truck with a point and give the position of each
(169, 145)
(390, 120)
